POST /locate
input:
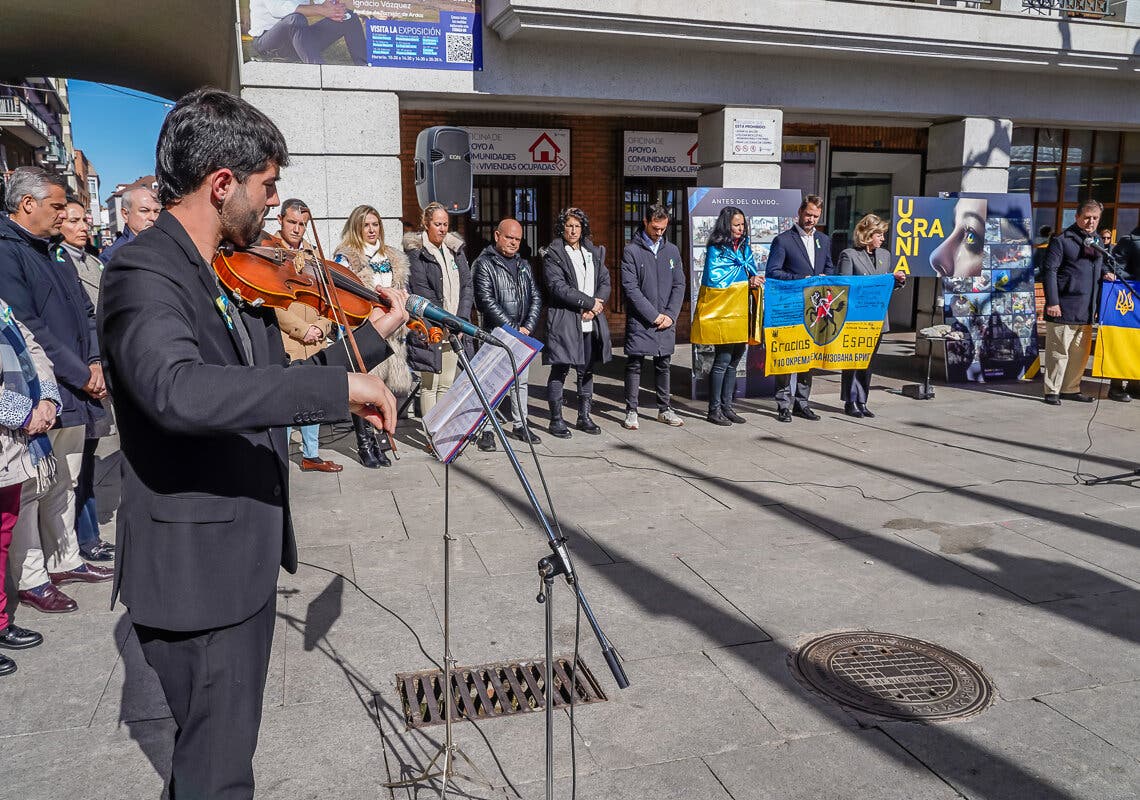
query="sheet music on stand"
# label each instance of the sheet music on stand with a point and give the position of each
(452, 420)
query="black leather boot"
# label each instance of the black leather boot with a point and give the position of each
(585, 424)
(366, 448)
(558, 427)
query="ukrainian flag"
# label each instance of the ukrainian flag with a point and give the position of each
(1118, 340)
(722, 304)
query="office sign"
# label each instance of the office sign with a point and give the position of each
(660, 155)
(520, 151)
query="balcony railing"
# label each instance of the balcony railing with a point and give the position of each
(15, 110)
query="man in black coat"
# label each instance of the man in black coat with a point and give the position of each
(653, 282)
(47, 297)
(1127, 268)
(1071, 274)
(799, 252)
(203, 391)
(506, 294)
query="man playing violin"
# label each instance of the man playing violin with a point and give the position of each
(203, 392)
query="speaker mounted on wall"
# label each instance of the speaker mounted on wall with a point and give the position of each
(443, 168)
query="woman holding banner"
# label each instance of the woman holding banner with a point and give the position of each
(722, 318)
(867, 257)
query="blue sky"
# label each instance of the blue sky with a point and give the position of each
(117, 129)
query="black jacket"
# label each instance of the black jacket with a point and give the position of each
(652, 285)
(1071, 274)
(426, 280)
(47, 297)
(788, 261)
(1127, 255)
(505, 291)
(204, 521)
(565, 305)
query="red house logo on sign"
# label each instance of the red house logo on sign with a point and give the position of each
(692, 154)
(544, 150)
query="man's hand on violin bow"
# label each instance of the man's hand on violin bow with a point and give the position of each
(370, 399)
(387, 322)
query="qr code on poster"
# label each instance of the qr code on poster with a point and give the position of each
(460, 48)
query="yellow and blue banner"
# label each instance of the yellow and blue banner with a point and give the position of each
(825, 322)
(1118, 340)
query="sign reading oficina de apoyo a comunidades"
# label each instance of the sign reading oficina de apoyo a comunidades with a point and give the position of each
(520, 151)
(661, 155)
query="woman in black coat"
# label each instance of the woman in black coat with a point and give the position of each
(439, 273)
(577, 288)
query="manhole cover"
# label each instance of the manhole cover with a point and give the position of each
(493, 690)
(893, 676)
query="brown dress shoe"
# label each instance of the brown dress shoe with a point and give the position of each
(87, 573)
(48, 600)
(319, 465)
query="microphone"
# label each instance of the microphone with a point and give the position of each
(1095, 245)
(420, 307)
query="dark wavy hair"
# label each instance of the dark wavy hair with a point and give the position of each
(208, 130)
(722, 231)
(576, 213)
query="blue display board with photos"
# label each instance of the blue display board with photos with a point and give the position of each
(995, 310)
(769, 212)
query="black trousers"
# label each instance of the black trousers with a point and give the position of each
(294, 39)
(633, 381)
(213, 681)
(784, 391)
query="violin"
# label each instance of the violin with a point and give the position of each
(277, 277)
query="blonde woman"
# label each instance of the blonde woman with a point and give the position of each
(867, 257)
(362, 249)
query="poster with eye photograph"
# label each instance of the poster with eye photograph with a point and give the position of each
(766, 213)
(994, 306)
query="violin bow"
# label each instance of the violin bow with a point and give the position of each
(326, 279)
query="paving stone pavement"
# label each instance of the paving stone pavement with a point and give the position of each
(708, 554)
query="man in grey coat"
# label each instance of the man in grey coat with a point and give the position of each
(653, 282)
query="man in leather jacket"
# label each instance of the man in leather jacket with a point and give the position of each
(506, 294)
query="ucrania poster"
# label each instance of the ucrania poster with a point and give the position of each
(825, 322)
(938, 236)
(421, 34)
(995, 311)
(768, 212)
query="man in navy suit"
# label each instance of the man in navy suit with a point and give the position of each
(799, 252)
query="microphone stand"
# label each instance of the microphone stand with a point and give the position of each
(557, 563)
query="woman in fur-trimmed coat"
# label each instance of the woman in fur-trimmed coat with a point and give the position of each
(362, 249)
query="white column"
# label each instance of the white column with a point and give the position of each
(723, 134)
(968, 155)
(344, 149)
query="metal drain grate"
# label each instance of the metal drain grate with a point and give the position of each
(493, 690)
(893, 676)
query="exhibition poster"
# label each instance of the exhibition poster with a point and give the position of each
(769, 212)
(417, 34)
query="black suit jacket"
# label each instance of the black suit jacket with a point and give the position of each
(788, 260)
(204, 519)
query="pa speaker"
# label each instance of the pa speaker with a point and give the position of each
(443, 168)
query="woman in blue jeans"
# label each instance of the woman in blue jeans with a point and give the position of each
(721, 317)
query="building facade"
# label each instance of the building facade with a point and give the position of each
(35, 125)
(864, 99)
